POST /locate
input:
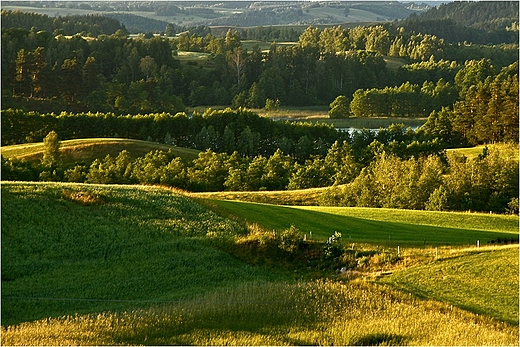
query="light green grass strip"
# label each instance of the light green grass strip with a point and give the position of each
(393, 227)
(457, 220)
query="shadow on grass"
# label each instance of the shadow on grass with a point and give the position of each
(380, 339)
(322, 225)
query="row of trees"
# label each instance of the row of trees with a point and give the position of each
(92, 25)
(211, 171)
(487, 111)
(406, 100)
(222, 131)
(488, 182)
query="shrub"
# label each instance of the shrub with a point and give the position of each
(290, 239)
(333, 248)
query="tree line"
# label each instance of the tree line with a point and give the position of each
(219, 130)
(392, 178)
(484, 22)
(488, 182)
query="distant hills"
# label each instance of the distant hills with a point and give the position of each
(226, 13)
(481, 22)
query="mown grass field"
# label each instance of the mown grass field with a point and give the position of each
(462, 281)
(110, 265)
(87, 150)
(376, 226)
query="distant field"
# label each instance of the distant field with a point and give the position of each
(376, 226)
(87, 150)
(472, 152)
(393, 63)
(192, 56)
(321, 114)
(137, 265)
(354, 18)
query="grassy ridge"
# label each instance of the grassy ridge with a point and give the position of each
(379, 226)
(87, 150)
(483, 282)
(299, 197)
(125, 247)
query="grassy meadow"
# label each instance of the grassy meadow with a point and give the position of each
(127, 265)
(70, 249)
(472, 152)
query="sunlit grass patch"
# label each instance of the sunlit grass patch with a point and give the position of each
(87, 150)
(318, 312)
(484, 282)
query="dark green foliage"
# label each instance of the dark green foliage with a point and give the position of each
(88, 24)
(333, 248)
(477, 22)
(340, 107)
(325, 63)
(222, 131)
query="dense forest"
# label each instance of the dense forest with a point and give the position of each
(83, 76)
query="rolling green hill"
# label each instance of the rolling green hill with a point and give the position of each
(111, 265)
(90, 248)
(87, 150)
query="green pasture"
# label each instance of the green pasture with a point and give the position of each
(393, 63)
(376, 226)
(483, 282)
(199, 57)
(125, 248)
(133, 265)
(87, 150)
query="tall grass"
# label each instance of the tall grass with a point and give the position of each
(128, 265)
(123, 248)
(317, 312)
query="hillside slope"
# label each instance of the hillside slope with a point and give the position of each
(375, 226)
(90, 248)
(133, 265)
(480, 22)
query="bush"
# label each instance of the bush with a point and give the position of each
(290, 239)
(333, 248)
